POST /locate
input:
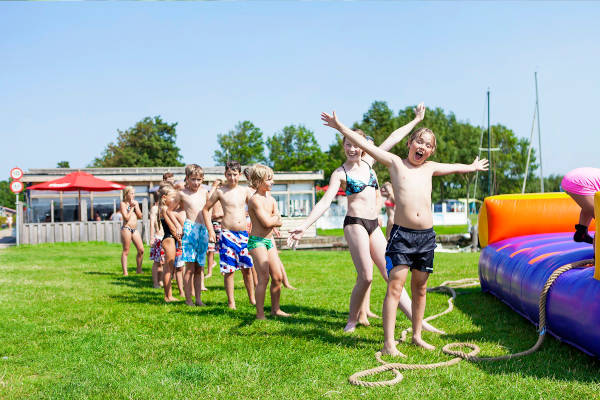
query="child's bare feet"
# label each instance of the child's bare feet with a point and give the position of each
(260, 316)
(421, 343)
(231, 305)
(280, 313)
(171, 299)
(364, 321)
(156, 286)
(181, 293)
(200, 304)
(189, 303)
(350, 327)
(371, 314)
(431, 328)
(204, 289)
(207, 275)
(391, 350)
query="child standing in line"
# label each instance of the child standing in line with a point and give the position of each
(233, 246)
(195, 235)
(412, 239)
(157, 254)
(265, 217)
(172, 227)
(582, 184)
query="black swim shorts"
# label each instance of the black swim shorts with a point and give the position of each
(412, 247)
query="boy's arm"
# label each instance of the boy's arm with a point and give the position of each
(152, 223)
(440, 169)
(207, 215)
(265, 218)
(384, 157)
(395, 137)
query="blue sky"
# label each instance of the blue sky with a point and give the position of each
(74, 73)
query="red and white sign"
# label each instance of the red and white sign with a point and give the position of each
(16, 173)
(16, 187)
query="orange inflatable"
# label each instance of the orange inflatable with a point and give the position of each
(509, 215)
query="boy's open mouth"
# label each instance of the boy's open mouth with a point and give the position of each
(418, 155)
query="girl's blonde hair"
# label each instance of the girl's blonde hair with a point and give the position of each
(258, 174)
(126, 191)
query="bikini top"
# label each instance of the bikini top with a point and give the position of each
(354, 186)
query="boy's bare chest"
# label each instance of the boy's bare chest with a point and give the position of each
(232, 198)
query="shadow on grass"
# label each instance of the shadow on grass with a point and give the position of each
(499, 325)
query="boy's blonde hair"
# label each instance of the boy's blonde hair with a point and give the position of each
(259, 173)
(193, 169)
(420, 132)
(127, 190)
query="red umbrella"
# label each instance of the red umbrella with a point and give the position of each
(78, 181)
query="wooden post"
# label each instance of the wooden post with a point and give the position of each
(145, 222)
(60, 200)
(52, 211)
(83, 210)
(92, 215)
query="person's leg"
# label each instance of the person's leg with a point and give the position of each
(358, 243)
(169, 248)
(155, 275)
(210, 261)
(260, 259)
(418, 287)
(180, 280)
(585, 217)
(276, 281)
(139, 245)
(378, 245)
(199, 283)
(126, 242)
(286, 282)
(188, 278)
(390, 307)
(248, 275)
(228, 282)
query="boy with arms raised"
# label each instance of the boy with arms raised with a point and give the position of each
(412, 239)
(195, 235)
(265, 217)
(233, 245)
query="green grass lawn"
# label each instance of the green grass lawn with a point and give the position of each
(440, 230)
(72, 327)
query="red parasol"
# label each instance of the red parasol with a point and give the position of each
(78, 181)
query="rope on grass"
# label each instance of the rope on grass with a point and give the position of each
(449, 287)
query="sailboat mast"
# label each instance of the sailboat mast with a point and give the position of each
(489, 146)
(537, 106)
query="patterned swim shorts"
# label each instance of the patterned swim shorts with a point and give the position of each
(157, 254)
(233, 252)
(214, 246)
(194, 242)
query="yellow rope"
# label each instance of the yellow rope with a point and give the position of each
(448, 287)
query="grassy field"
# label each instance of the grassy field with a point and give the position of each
(72, 327)
(440, 230)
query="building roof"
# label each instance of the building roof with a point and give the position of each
(154, 174)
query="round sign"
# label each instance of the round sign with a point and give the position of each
(16, 173)
(16, 187)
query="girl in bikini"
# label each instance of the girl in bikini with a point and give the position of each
(130, 209)
(172, 224)
(366, 241)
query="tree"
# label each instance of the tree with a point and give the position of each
(295, 149)
(149, 143)
(244, 144)
(63, 164)
(7, 198)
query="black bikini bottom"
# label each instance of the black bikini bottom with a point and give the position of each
(369, 224)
